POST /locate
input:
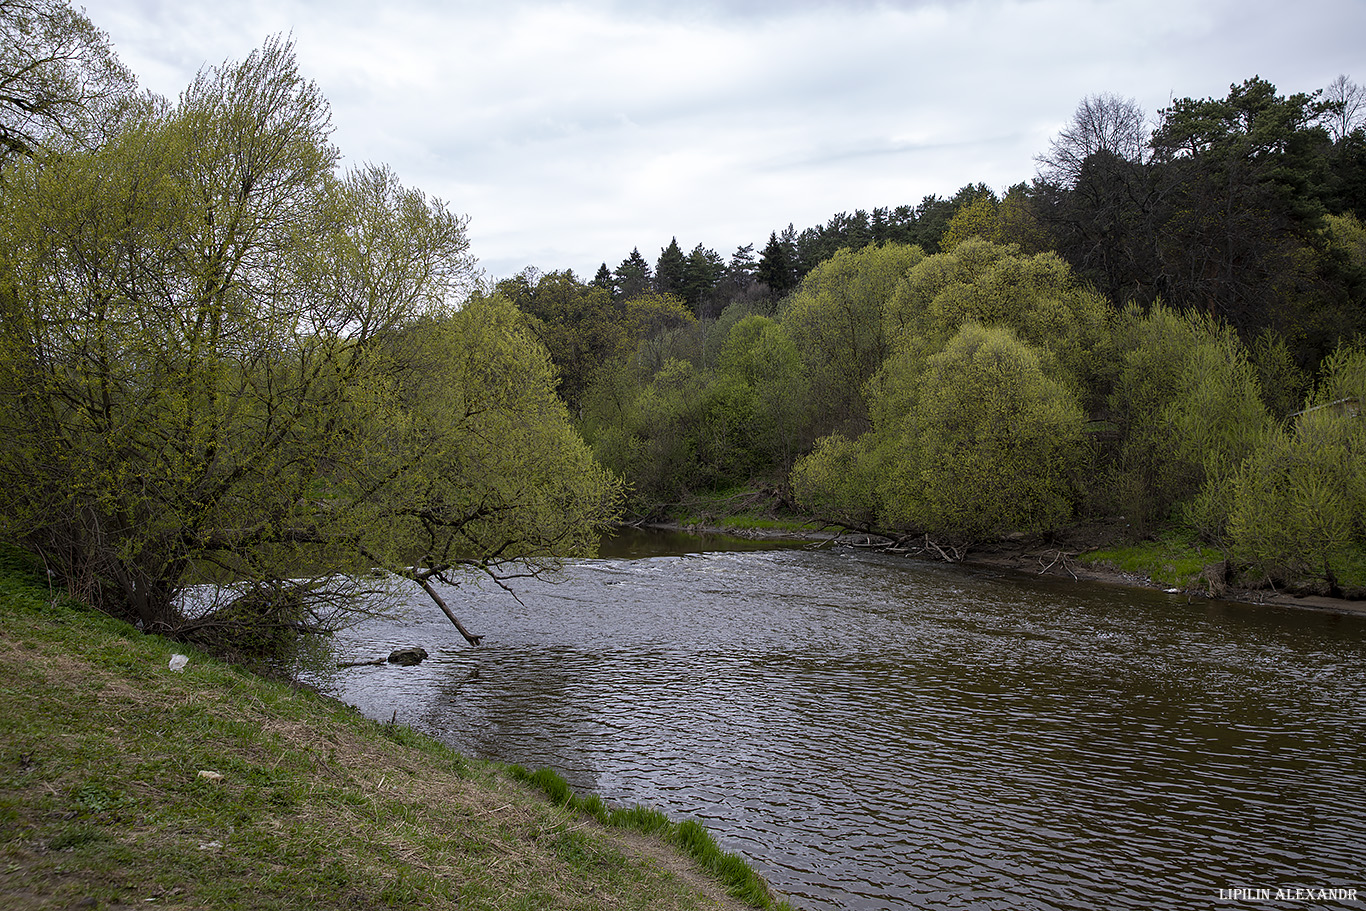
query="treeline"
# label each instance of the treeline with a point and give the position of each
(707, 282)
(1163, 329)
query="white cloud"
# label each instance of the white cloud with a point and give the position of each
(573, 131)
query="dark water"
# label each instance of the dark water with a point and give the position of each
(875, 733)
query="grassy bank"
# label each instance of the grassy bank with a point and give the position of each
(104, 800)
(1171, 561)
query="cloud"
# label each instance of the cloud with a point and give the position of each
(573, 131)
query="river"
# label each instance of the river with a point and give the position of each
(872, 732)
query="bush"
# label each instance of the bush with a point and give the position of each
(1298, 504)
(992, 446)
(1190, 408)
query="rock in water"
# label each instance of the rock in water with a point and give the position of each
(407, 657)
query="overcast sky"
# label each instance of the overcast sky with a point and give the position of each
(572, 131)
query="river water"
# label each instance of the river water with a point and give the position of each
(872, 732)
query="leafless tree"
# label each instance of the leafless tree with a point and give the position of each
(1348, 107)
(1101, 124)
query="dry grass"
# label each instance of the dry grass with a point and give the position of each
(102, 806)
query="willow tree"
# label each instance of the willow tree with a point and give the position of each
(1297, 504)
(972, 443)
(835, 318)
(220, 359)
(1189, 409)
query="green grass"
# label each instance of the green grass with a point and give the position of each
(102, 803)
(691, 836)
(1172, 560)
(739, 509)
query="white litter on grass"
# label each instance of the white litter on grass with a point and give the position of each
(178, 663)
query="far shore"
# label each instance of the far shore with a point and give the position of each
(1034, 559)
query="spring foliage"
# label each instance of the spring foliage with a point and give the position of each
(219, 356)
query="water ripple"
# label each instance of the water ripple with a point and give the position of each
(874, 733)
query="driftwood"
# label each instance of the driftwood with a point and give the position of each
(1061, 557)
(406, 657)
(377, 662)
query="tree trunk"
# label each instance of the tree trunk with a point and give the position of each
(440, 602)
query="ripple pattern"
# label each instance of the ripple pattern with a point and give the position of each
(874, 733)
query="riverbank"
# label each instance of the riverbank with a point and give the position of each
(1081, 555)
(125, 783)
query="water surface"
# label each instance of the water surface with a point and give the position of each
(878, 733)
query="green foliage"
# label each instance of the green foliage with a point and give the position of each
(219, 359)
(977, 427)
(660, 328)
(1191, 409)
(991, 445)
(579, 325)
(62, 83)
(1297, 509)
(760, 354)
(978, 218)
(839, 480)
(835, 320)
(686, 428)
(1282, 382)
(1036, 296)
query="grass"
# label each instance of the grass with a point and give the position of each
(102, 804)
(692, 837)
(740, 509)
(1171, 560)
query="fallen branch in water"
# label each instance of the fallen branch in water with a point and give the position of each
(1063, 557)
(377, 662)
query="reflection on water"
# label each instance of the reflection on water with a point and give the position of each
(875, 733)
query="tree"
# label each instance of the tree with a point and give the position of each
(1189, 408)
(486, 472)
(1102, 125)
(969, 444)
(59, 78)
(1346, 108)
(603, 278)
(991, 444)
(1037, 297)
(777, 266)
(701, 273)
(218, 360)
(671, 270)
(633, 276)
(759, 353)
(1298, 502)
(1241, 181)
(977, 218)
(737, 282)
(835, 318)
(653, 324)
(579, 325)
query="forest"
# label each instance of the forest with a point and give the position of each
(1161, 333)
(225, 357)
